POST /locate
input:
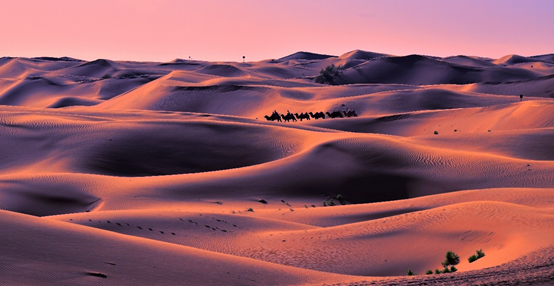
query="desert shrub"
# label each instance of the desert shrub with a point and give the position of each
(474, 257)
(429, 272)
(410, 272)
(331, 202)
(262, 201)
(437, 271)
(328, 74)
(250, 209)
(446, 270)
(339, 197)
(452, 258)
(453, 269)
(106, 76)
(324, 203)
(480, 253)
(436, 132)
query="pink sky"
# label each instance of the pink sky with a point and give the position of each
(224, 30)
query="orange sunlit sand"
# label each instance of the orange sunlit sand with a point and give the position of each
(169, 173)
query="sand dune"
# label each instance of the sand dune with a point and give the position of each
(169, 173)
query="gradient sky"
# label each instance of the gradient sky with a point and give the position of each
(226, 30)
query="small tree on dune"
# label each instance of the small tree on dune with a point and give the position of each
(328, 74)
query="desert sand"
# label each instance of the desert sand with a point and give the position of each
(145, 173)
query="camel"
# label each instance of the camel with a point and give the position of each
(350, 113)
(288, 117)
(302, 116)
(317, 115)
(335, 114)
(273, 117)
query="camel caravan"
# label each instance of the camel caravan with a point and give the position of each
(308, 115)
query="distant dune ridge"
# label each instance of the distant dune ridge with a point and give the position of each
(151, 173)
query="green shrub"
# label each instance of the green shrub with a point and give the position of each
(437, 271)
(429, 272)
(410, 272)
(453, 269)
(446, 270)
(106, 76)
(452, 258)
(339, 197)
(436, 132)
(324, 203)
(474, 257)
(480, 253)
(250, 209)
(331, 202)
(328, 74)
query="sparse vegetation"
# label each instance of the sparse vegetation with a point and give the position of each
(474, 257)
(436, 132)
(410, 272)
(250, 210)
(106, 76)
(328, 75)
(263, 201)
(330, 203)
(451, 259)
(480, 253)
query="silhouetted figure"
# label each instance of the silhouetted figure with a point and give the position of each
(302, 116)
(273, 117)
(334, 114)
(350, 113)
(318, 115)
(288, 117)
(520, 97)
